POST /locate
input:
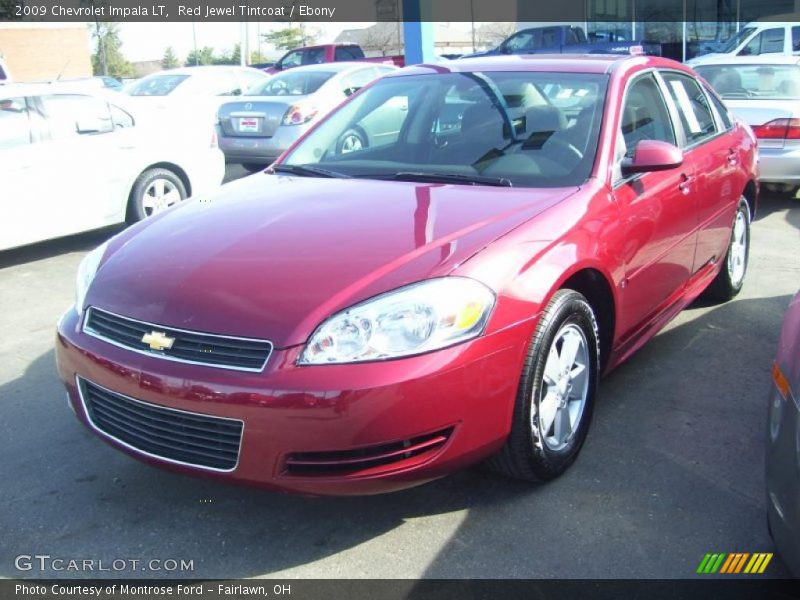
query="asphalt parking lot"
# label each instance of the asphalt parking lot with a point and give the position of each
(672, 468)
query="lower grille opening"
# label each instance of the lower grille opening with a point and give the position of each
(351, 462)
(175, 435)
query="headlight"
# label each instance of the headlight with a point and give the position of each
(86, 273)
(411, 320)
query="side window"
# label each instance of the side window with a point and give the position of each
(795, 39)
(753, 47)
(645, 115)
(549, 38)
(695, 113)
(355, 81)
(571, 37)
(70, 115)
(344, 53)
(15, 127)
(722, 110)
(520, 42)
(772, 40)
(383, 124)
(293, 59)
(314, 56)
(222, 83)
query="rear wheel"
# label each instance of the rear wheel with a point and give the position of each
(730, 279)
(352, 140)
(556, 393)
(154, 191)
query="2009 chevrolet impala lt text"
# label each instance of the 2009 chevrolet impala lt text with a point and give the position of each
(360, 320)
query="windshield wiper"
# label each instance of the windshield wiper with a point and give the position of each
(452, 178)
(307, 171)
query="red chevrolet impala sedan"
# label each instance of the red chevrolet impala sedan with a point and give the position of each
(363, 318)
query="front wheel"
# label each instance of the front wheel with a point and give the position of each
(154, 191)
(352, 140)
(730, 279)
(556, 393)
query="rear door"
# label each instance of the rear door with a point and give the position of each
(658, 209)
(707, 143)
(89, 157)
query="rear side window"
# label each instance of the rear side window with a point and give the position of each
(645, 115)
(722, 111)
(795, 39)
(346, 53)
(15, 126)
(693, 108)
(70, 115)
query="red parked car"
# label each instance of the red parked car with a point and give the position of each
(357, 321)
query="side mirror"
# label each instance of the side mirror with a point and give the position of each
(652, 155)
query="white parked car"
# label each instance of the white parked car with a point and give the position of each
(779, 35)
(764, 92)
(74, 160)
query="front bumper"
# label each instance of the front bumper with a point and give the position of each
(288, 411)
(260, 149)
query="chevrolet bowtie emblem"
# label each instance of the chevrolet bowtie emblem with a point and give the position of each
(158, 340)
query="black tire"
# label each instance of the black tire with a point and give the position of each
(137, 209)
(727, 284)
(354, 134)
(527, 454)
(253, 167)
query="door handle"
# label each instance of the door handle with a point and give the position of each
(733, 157)
(685, 185)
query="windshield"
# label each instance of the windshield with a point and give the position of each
(531, 129)
(736, 39)
(766, 82)
(291, 83)
(156, 85)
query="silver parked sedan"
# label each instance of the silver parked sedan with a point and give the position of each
(269, 117)
(783, 442)
(764, 91)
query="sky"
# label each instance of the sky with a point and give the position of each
(147, 41)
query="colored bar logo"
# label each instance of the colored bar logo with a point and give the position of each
(734, 562)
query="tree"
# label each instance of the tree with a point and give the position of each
(383, 37)
(258, 58)
(233, 57)
(170, 61)
(203, 56)
(108, 58)
(491, 34)
(291, 36)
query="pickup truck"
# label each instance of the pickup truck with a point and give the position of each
(328, 53)
(566, 39)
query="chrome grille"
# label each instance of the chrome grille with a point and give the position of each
(193, 347)
(175, 435)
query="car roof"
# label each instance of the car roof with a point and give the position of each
(337, 67)
(763, 59)
(202, 69)
(573, 63)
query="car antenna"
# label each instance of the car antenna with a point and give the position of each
(63, 69)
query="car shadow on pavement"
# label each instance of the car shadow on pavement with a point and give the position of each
(74, 243)
(672, 468)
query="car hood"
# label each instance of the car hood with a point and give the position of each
(272, 256)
